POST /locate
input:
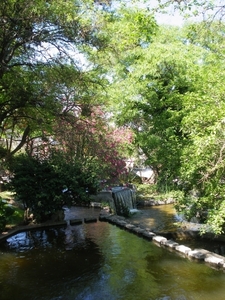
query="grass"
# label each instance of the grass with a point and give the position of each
(149, 191)
(18, 216)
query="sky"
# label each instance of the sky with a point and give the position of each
(173, 17)
(197, 12)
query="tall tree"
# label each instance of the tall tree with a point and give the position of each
(39, 60)
(203, 157)
(153, 88)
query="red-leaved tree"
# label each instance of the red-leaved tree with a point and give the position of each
(86, 134)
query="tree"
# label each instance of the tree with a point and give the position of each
(38, 42)
(203, 124)
(158, 81)
(6, 211)
(169, 89)
(86, 136)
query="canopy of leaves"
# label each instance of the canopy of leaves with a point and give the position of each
(170, 91)
(39, 54)
(165, 84)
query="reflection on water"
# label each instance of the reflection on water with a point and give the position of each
(101, 262)
(159, 218)
(163, 219)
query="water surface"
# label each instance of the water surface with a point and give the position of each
(160, 218)
(100, 261)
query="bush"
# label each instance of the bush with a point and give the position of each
(6, 211)
(45, 186)
(147, 190)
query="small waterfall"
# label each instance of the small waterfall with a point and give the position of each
(124, 200)
(66, 215)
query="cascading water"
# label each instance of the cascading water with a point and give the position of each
(124, 200)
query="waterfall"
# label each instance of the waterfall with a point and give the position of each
(124, 200)
(66, 215)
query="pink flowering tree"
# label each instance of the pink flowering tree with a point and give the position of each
(88, 136)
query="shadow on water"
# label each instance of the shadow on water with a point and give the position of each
(100, 261)
(104, 262)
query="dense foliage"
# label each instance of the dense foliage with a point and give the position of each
(44, 187)
(48, 93)
(35, 67)
(6, 211)
(88, 78)
(171, 83)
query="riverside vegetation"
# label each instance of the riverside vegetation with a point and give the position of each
(89, 89)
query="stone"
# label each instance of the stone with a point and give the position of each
(129, 226)
(159, 239)
(120, 223)
(198, 254)
(170, 244)
(183, 249)
(90, 220)
(214, 260)
(147, 234)
(76, 221)
(138, 230)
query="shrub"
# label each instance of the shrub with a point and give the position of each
(45, 186)
(6, 211)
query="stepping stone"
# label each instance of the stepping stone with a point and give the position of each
(199, 254)
(90, 220)
(159, 239)
(149, 235)
(76, 221)
(214, 260)
(170, 244)
(183, 249)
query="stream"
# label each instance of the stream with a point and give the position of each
(101, 261)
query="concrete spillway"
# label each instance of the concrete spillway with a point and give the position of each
(124, 201)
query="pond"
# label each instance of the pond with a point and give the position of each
(100, 261)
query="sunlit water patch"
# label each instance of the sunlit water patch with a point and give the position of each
(100, 261)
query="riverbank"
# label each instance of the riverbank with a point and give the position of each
(89, 215)
(76, 215)
(200, 255)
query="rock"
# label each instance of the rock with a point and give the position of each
(138, 230)
(183, 249)
(170, 244)
(149, 235)
(214, 260)
(90, 220)
(159, 239)
(129, 226)
(199, 254)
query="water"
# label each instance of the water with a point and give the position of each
(161, 218)
(101, 261)
(124, 200)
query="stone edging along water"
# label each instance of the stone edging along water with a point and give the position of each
(200, 255)
(32, 227)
